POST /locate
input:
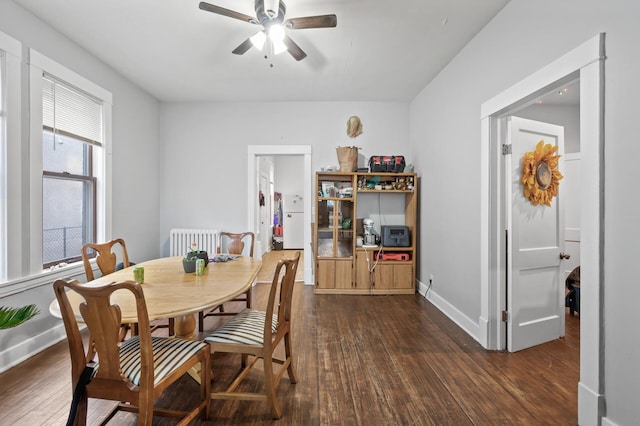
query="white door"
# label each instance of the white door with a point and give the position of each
(535, 235)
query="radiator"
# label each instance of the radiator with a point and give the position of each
(181, 239)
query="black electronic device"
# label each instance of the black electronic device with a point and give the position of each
(395, 236)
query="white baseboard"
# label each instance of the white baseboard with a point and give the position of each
(463, 321)
(483, 334)
(31, 346)
(590, 407)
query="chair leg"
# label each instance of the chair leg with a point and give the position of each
(80, 418)
(249, 298)
(172, 327)
(145, 409)
(293, 376)
(270, 389)
(205, 385)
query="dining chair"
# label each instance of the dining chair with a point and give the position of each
(255, 333)
(134, 372)
(237, 244)
(107, 261)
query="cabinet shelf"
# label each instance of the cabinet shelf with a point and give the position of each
(386, 248)
(395, 191)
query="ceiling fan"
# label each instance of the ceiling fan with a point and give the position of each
(270, 14)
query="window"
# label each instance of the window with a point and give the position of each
(71, 131)
(69, 164)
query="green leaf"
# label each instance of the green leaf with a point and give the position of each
(11, 317)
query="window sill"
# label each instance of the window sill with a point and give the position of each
(44, 278)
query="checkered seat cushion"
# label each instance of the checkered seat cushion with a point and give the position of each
(168, 354)
(247, 328)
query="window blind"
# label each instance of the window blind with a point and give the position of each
(68, 111)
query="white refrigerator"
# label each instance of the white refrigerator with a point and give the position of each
(293, 221)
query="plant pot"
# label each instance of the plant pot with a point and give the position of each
(189, 265)
(199, 255)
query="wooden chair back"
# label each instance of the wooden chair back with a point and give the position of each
(234, 243)
(103, 321)
(230, 243)
(280, 298)
(106, 258)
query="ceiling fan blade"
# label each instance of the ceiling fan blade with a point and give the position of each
(321, 21)
(244, 46)
(295, 51)
(226, 12)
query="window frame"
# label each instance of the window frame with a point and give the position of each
(88, 175)
(10, 148)
(39, 65)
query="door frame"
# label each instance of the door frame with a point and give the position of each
(587, 62)
(264, 186)
(254, 151)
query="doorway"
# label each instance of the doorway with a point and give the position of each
(559, 107)
(587, 62)
(256, 151)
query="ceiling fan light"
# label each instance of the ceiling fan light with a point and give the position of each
(276, 32)
(278, 47)
(258, 40)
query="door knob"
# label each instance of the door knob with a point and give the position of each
(564, 256)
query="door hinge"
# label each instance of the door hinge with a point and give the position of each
(505, 316)
(506, 149)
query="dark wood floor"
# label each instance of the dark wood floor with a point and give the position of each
(361, 360)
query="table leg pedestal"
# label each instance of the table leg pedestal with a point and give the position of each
(185, 327)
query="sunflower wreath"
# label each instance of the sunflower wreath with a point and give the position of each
(540, 175)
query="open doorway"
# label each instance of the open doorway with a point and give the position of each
(253, 187)
(587, 62)
(542, 241)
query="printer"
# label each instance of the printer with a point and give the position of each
(395, 236)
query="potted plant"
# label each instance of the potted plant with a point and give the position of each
(189, 261)
(12, 317)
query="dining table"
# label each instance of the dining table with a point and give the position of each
(170, 292)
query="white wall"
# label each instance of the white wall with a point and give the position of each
(445, 137)
(204, 150)
(135, 188)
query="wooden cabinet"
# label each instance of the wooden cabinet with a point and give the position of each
(333, 274)
(383, 276)
(393, 275)
(343, 200)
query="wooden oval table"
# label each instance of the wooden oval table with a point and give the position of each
(171, 293)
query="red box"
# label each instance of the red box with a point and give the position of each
(392, 256)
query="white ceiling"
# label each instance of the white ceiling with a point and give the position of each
(379, 51)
